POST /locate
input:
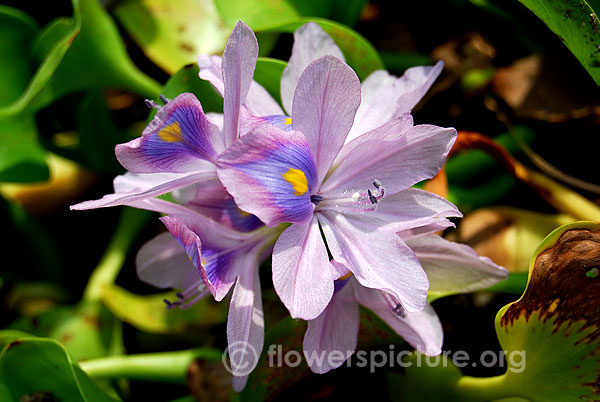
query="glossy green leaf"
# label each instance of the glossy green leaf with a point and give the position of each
(257, 14)
(22, 159)
(173, 34)
(98, 134)
(187, 80)
(268, 74)
(41, 369)
(359, 53)
(577, 26)
(556, 323)
(85, 51)
(149, 313)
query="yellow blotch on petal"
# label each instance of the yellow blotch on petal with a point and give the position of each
(171, 133)
(288, 121)
(297, 179)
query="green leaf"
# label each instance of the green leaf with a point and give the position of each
(22, 159)
(87, 331)
(555, 325)
(359, 53)
(577, 26)
(257, 14)
(268, 74)
(187, 80)
(174, 34)
(41, 369)
(149, 313)
(98, 134)
(423, 382)
(78, 53)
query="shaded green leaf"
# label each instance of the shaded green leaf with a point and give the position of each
(82, 52)
(187, 80)
(257, 14)
(38, 367)
(359, 53)
(577, 26)
(22, 159)
(87, 331)
(268, 74)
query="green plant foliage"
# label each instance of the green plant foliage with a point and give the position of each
(187, 80)
(21, 156)
(257, 14)
(41, 369)
(359, 53)
(87, 331)
(268, 73)
(77, 53)
(577, 26)
(173, 35)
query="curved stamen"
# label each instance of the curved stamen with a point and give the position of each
(150, 104)
(394, 305)
(189, 296)
(352, 201)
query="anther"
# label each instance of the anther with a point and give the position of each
(150, 104)
(399, 310)
(316, 199)
(164, 99)
(378, 195)
(372, 198)
(180, 295)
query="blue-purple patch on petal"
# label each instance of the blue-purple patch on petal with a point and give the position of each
(179, 139)
(270, 173)
(216, 263)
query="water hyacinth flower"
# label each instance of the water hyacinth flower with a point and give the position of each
(356, 192)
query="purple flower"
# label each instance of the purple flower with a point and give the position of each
(355, 192)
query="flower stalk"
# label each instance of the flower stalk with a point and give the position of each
(169, 367)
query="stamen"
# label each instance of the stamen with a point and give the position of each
(188, 297)
(395, 305)
(164, 99)
(150, 104)
(316, 199)
(352, 201)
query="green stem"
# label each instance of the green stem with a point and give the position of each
(478, 389)
(164, 367)
(130, 222)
